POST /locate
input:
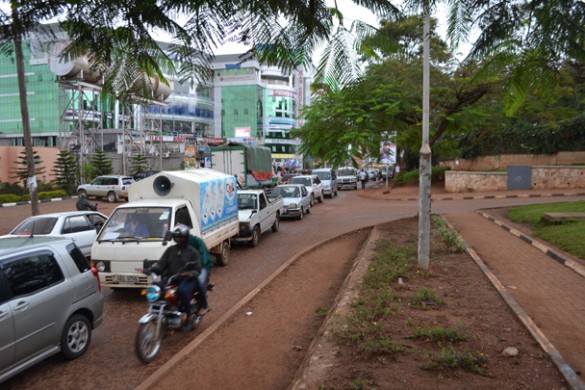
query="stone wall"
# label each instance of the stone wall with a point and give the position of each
(501, 162)
(543, 178)
(558, 177)
(463, 181)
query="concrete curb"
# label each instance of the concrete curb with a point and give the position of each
(479, 197)
(566, 370)
(550, 252)
(184, 353)
(316, 363)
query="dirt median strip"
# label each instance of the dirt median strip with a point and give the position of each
(163, 374)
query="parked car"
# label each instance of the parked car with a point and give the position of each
(50, 301)
(112, 187)
(313, 184)
(328, 177)
(144, 174)
(387, 172)
(373, 174)
(296, 200)
(347, 177)
(80, 226)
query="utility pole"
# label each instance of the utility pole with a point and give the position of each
(424, 198)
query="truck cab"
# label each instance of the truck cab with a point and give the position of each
(347, 177)
(257, 214)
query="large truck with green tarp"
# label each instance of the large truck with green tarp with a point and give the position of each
(250, 164)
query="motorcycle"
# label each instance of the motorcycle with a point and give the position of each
(165, 312)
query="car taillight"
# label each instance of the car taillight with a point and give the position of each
(95, 273)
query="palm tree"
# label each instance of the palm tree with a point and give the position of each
(20, 20)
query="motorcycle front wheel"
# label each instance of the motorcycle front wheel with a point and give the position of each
(147, 343)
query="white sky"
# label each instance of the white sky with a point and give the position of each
(352, 12)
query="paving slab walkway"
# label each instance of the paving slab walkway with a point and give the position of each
(549, 294)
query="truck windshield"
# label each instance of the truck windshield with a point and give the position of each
(323, 175)
(346, 172)
(136, 224)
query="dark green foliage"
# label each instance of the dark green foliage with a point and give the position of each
(101, 163)
(139, 164)
(411, 177)
(66, 172)
(21, 172)
(522, 137)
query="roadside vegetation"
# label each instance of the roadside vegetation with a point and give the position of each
(386, 295)
(568, 236)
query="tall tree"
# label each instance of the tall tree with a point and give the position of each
(22, 169)
(66, 172)
(21, 19)
(101, 163)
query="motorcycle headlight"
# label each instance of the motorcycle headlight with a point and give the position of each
(152, 293)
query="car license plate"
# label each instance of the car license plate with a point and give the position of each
(126, 278)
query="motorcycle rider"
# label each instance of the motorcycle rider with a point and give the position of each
(207, 265)
(83, 203)
(175, 259)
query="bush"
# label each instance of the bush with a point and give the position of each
(12, 198)
(411, 177)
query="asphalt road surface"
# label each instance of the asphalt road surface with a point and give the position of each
(111, 358)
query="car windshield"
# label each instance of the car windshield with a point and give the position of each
(301, 180)
(35, 226)
(324, 175)
(287, 192)
(345, 172)
(136, 224)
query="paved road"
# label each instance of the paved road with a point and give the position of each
(111, 356)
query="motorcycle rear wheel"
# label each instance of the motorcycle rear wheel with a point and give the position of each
(146, 343)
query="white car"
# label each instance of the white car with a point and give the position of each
(112, 187)
(296, 200)
(80, 226)
(313, 184)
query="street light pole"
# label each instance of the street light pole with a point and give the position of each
(424, 198)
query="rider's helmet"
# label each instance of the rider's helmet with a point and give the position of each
(180, 230)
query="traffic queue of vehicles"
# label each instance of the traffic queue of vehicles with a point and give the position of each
(48, 280)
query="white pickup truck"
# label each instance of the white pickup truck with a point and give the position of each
(257, 213)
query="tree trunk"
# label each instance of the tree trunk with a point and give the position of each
(28, 146)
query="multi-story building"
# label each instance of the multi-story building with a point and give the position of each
(257, 103)
(245, 101)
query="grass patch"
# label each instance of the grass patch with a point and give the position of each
(321, 312)
(439, 334)
(569, 236)
(424, 298)
(450, 237)
(450, 359)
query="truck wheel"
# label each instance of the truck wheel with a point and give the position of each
(223, 258)
(276, 223)
(112, 197)
(255, 236)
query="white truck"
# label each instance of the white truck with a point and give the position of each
(203, 199)
(257, 214)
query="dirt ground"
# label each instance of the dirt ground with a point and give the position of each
(471, 303)
(265, 344)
